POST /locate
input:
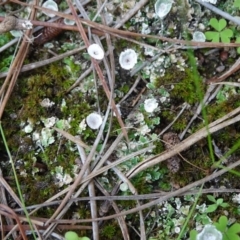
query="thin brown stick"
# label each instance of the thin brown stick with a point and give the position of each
(149, 196)
(211, 128)
(15, 67)
(121, 220)
(161, 199)
(91, 190)
(111, 30)
(5, 210)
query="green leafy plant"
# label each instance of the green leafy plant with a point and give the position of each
(228, 232)
(222, 33)
(216, 203)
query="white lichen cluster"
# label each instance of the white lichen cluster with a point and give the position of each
(43, 135)
(46, 103)
(172, 216)
(62, 177)
(88, 85)
(209, 233)
(150, 105)
(82, 126)
(158, 68)
(27, 24)
(236, 198)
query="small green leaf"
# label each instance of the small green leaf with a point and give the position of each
(238, 41)
(236, 3)
(214, 23)
(232, 236)
(238, 50)
(211, 198)
(213, 36)
(218, 25)
(211, 208)
(222, 24)
(219, 201)
(193, 234)
(70, 235)
(224, 205)
(235, 228)
(225, 35)
(221, 224)
(156, 175)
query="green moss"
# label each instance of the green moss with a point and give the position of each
(181, 123)
(185, 89)
(108, 231)
(184, 86)
(48, 82)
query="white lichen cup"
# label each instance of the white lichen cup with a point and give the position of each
(95, 51)
(163, 7)
(150, 105)
(50, 4)
(94, 120)
(199, 37)
(128, 59)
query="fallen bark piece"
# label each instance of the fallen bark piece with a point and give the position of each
(8, 24)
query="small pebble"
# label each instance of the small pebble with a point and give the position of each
(220, 68)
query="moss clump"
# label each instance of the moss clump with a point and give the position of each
(109, 231)
(184, 85)
(25, 105)
(185, 88)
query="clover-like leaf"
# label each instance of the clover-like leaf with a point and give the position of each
(225, 35)
(230, 235)
(218, 25)
(213, 36)
(235, 228)
(221, 225)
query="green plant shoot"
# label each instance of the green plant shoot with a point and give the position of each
(217, 202)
